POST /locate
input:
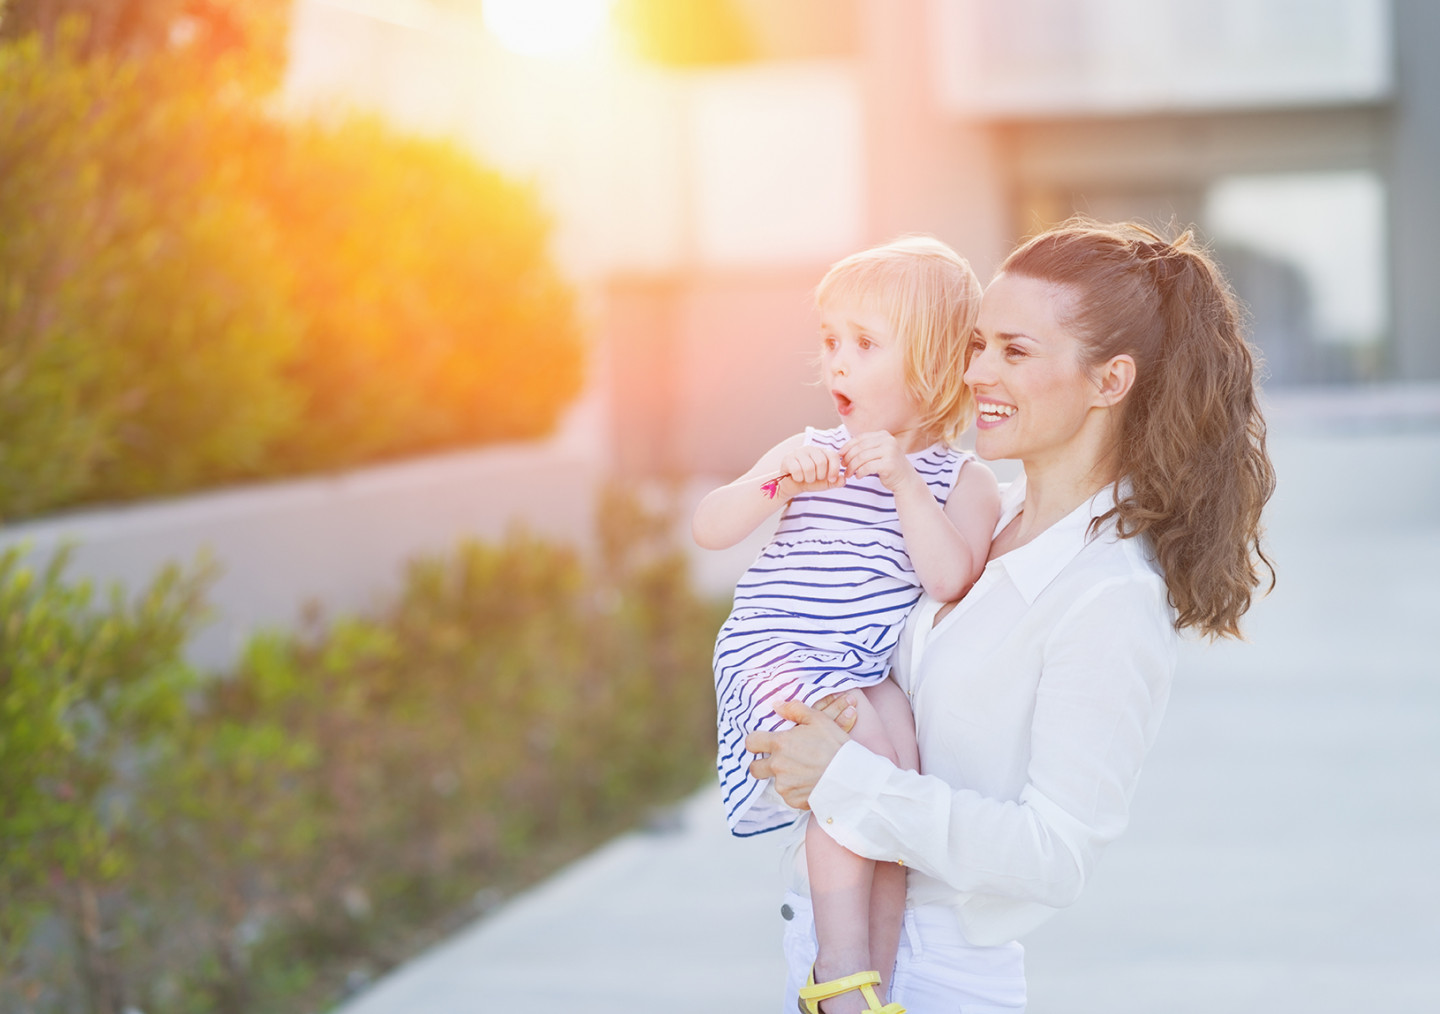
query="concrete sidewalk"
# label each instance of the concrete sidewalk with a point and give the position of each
(1284, 853)
(681, 919)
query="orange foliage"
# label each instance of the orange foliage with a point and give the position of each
(204, 292)
(432, 314)
(686, 33)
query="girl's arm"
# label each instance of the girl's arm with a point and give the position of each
(948, 545)
(949, 551)
(727, 515)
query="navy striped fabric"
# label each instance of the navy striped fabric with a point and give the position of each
(818, 611)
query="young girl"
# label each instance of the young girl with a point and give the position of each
(875, 509)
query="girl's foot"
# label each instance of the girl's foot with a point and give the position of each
(861, 996)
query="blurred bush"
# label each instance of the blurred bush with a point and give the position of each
(240, 843)
(90, 697)
(194, 290)
(145, 311)
(231, 43)
(432, 316)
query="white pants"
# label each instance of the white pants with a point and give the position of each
(937, 972)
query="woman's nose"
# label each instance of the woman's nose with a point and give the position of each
(977, 371)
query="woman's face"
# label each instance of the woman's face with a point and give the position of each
(1034, 395)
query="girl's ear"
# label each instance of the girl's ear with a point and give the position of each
(1114, 380)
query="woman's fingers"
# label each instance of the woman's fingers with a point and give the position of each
(796, 758)
(761, 742)
(798, 712)
(840, 709)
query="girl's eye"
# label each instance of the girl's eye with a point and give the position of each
(864, 342)
(829, 342)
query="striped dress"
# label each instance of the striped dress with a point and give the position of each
(818, 611)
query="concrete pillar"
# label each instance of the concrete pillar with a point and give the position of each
(1415, 191)
(928, 172)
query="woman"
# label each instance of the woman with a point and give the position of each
(1112, 364)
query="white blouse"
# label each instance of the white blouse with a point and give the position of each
(1036, 700)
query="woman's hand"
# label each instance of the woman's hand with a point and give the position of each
(840, 709)
(797, 757)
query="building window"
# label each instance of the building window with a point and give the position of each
(1307, 254)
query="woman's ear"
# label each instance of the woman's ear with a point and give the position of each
(1114, 380)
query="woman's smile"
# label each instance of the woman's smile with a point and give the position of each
(993, 413)
(1032, 394)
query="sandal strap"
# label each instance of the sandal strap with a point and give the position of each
(825, 990)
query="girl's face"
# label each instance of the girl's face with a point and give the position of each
(1031, 387)
(862, 363)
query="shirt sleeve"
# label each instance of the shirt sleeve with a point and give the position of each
(1105, 680)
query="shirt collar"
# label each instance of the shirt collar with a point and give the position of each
(1034, 565)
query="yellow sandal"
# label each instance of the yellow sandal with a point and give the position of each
(813, 993)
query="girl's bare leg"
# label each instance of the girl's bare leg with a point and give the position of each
(887, 888)
(840, 888)
(843, 886)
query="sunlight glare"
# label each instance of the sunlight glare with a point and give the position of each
(546, 27)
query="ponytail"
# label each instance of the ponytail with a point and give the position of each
(1193, 470)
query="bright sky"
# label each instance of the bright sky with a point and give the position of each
(547, 27)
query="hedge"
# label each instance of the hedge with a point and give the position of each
(238, 844)
(141, 341)
(197, 290)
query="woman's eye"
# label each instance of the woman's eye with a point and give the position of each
(1014, 352)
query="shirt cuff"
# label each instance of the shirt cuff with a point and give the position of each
(848, 789)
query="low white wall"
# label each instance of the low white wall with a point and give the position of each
(341, 541)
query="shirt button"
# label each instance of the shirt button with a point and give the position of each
(829, 820)
(787, 913)
(899, 862)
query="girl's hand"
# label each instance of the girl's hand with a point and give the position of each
(811, 468)
(878, 453)
(799, 756)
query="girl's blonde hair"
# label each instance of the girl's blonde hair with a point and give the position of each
(930, 297)
(1192, 439)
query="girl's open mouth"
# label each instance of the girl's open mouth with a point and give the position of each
(842, 403)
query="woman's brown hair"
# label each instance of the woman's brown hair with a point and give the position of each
(1193, 472)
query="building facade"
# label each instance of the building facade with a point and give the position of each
(697, 206)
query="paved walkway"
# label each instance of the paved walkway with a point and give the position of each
(1285, 848)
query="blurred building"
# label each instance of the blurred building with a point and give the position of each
(700, 193)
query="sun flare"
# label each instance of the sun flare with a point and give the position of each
(547, 27)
